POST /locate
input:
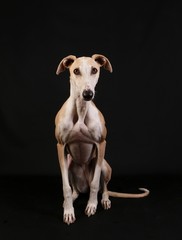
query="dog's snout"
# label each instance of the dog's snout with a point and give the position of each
(87, 95)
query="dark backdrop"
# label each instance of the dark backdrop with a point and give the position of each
(141, 99)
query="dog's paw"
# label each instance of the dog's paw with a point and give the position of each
(106, 203)
(69, 216)
(90, 209)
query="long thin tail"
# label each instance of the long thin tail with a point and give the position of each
(145, 192)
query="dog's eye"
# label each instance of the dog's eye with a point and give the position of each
(76, 71)
(94, 70)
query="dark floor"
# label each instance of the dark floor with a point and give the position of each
(31, 208)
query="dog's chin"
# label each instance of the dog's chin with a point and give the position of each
(85, 99)
(88, 99)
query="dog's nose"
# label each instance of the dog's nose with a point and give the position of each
(87, 95)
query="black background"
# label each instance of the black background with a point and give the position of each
(141, 99)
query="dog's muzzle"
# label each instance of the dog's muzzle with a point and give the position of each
(87, 95)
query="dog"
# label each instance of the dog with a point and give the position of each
(80, 131)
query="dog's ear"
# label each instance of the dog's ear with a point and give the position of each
(65, 63)
(102, 61)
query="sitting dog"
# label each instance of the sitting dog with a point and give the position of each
(81, 138)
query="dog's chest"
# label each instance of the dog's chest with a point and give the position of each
(81, 143)
(82, 132)
(81, 152)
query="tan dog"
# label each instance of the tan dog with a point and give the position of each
(81, 135)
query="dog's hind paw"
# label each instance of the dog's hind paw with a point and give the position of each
(106, 203)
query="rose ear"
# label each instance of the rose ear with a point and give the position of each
(103, 61)
(65, 63)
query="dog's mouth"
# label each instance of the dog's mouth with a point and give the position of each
(87, 95)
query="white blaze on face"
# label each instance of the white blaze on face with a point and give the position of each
(85, 78)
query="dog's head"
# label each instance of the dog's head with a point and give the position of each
(84, 73)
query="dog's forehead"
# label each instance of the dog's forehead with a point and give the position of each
(86, 62)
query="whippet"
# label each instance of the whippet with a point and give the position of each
(81, 138)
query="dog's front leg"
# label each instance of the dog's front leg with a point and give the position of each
(64, 161)
(95, 183)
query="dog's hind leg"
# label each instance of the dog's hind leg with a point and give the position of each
(106, 176)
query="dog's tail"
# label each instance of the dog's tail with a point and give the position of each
(145, 192)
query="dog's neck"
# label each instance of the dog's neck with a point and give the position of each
(80, 104)
(81, 107)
